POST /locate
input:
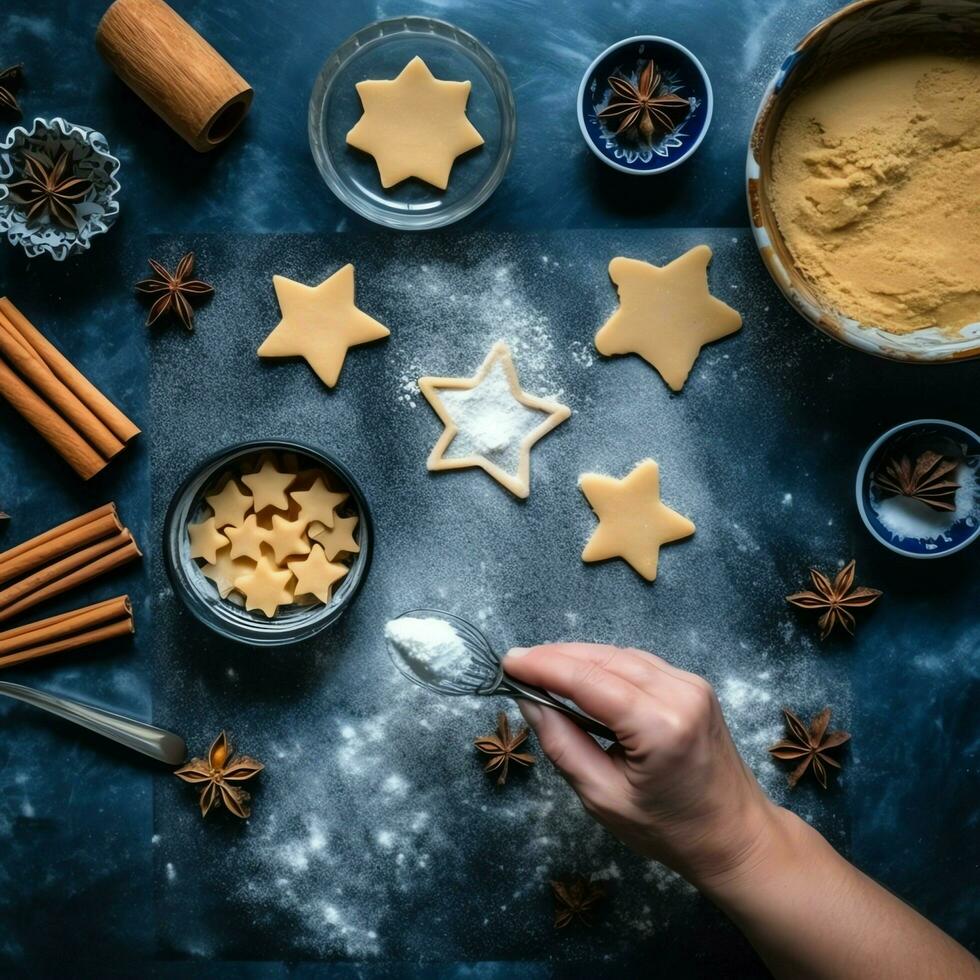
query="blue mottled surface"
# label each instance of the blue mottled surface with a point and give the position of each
(82, 882)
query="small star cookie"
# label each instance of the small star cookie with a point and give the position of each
(336, 539)
(268, 485)
(206, 540)
(247, 540)
(666, 315)
(230, 505)
(320, 324)
(490, 421)
(414, 125)
(287, 538)
(633, 523)
(315, 575)
(224, 570)
(318, 503)
(265, 587)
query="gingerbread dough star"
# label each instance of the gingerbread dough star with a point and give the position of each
(491, 422)
(320, 323)
(206, 540)
(315, 575)
(414, 125)
(265, 587)
(336, 539)
(633, 523)
(318, 503)
(666, 315)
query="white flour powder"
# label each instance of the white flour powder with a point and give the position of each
(430, 646)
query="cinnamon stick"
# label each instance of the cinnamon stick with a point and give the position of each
(79, 455)
(67, 630)
(122, 427)
(70, 572)
(72, 536)
(32, 368)
(121, 628)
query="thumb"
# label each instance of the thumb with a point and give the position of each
(575, 754)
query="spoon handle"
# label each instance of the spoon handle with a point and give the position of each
(529, 692)
(155, 742)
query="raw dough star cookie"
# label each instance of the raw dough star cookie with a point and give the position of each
(315, 575)
(414, 125)
(265, 587)
(336, 539)
(633, 523)
(247, 540)
(230, 505)
(269, 485)
(320, 323)
(666, 315)
(318, 503)
(206, 540)
(224, 570)
(490, 421)
(287, 538)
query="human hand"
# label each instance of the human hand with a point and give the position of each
(674, 787)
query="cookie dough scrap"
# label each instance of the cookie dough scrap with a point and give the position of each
(666, 314)
(414, 125)
(490, 421)
(320, 324)
(633, 522)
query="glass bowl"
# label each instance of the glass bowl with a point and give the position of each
(292, 623)
(381, 50)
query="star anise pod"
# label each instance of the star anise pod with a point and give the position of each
(174, 292)
(51, 189)
(809, 746)
(217, 772)
(502, 748)
(10, 81)
(925, 479)
(576, 899)
(638, 110)
(836, 598)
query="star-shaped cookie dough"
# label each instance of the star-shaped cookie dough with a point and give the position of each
(336, 539)
(265, 587)
(206, 540)
(247, 540)
(315, 575)
(318, 503)
(633, 523)
(414, 125)
(269, 485)
(320, 323)
(666, 314)
(287, 538)
(224, 570)
(485, 413)
(230, 505)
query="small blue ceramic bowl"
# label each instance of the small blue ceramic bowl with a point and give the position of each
(906, 526)
(683, 75)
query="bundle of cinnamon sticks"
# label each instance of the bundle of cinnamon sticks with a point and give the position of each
(67, 631)
(61, 559)
(56, 398)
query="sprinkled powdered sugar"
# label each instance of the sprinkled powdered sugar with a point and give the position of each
(429, 646)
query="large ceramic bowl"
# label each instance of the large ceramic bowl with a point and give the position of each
(856, 32)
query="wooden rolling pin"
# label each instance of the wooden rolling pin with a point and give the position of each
(174, 71)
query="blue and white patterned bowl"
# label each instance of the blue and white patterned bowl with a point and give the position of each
(889, 519)
(91, 159)
(683, 75)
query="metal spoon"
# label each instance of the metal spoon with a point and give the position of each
(483, 674)
(158, 744)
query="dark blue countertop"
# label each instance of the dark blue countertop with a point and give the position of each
(104, 865)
